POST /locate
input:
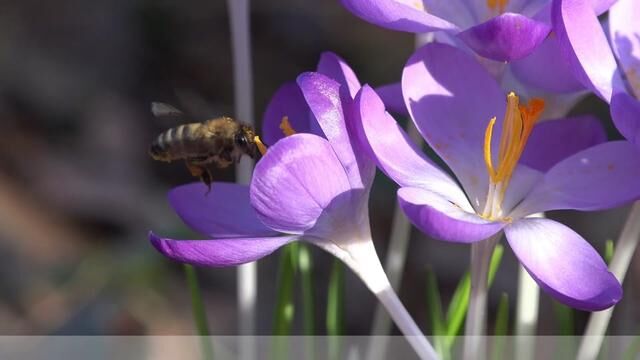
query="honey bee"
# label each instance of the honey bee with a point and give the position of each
(219, 142)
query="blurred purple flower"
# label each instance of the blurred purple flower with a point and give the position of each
(451, 98)
(516, 32)
(611, 69)
(500, 30)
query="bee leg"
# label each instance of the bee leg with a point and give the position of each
(201, 172)
(206, 179)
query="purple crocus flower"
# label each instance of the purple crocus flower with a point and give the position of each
(611, 69)
(460, 111)
(517, 34)
(238, 218)
(306, 187)
(501, 30)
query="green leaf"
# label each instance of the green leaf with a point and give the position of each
(608, 251)
(565, 319)
(199, 312)
(335, 309)
(496, 259)
(335, 301)
(457, 310)
(283, 315)
(633, 351)
(434, 304)
(502, 316)
(501, 328)
(434, 307)
(305, 265)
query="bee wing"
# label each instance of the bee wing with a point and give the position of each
(163, 110)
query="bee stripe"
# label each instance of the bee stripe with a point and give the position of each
(179, 138)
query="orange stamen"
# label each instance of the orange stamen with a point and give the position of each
(285, 126)
(261, 146)
(497, 6)
(517, 126)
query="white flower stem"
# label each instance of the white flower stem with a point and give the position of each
(625, 248)
(476, 322)
(397, 252)
(360, 255)
(243, 99)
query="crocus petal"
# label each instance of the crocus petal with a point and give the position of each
(335, 68)
(224, 212)
(391, 95)
(554, 140)
(564, 264)
(451, 98)
(396, 155)
(218, 253)
(545, 69)
(601, 177)
(397, 15)
(323, 97)
(297, 180)
(287, 101)
(441, 219)
(584, 45)
(598, 6)
(625, 39)
(625, 111)
(506, 37)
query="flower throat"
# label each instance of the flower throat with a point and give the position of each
(516, 128)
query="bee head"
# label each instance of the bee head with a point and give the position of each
(244, 140)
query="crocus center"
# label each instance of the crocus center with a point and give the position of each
(286, 128)
(497, 7)
(516, 128)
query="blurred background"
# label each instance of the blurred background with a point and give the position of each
(78, 192)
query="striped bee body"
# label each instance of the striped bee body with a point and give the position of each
(220, 142)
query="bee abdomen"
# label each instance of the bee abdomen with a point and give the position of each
(173, 143)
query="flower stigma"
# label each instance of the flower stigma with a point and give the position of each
(286, 128)
(497, 6)
(516, 128)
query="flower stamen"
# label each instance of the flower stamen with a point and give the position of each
(261, 146)
(286, 128)
(516, 128)
(497, 6)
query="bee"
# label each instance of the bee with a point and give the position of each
(218, 142)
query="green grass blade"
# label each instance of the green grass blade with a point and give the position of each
(608, 251)
(335, 301)
(459, 304)
(633, 351)
(199, 313)
(436, 316)
(285, 308)
(305, 265)
(565, 319)
(501, 328)
(457, 309)
(335, 309)
(496, 259)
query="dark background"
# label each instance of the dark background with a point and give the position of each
(78, 192)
